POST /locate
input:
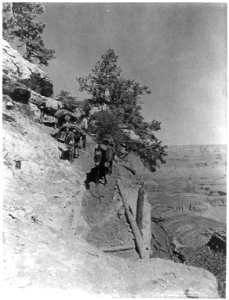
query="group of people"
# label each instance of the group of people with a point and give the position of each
(104, 153)
(72, 130)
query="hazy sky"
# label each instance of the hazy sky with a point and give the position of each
(178, 50)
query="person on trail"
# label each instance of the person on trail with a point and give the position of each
(84, 126)
(77, 136)
(70, 142)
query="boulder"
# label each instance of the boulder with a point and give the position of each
(20, 95)
(8, 102)
(16, 90)
(218, 241)
(37, 99)
(17, 70)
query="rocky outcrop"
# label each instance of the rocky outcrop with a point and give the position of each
(19, 75)
(37, 99)
(16, 90)
(218, 241)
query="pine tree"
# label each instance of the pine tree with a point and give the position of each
(123, 100)
(21, 22)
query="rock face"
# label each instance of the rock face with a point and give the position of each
(18, 71)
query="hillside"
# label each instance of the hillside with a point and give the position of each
(55, 228)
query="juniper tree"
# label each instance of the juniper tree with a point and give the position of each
(21, 21)
(124, 100)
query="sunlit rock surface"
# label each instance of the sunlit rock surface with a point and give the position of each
(20, 72)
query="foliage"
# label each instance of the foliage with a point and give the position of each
(69, 102)
(21, 21)
(86, 106)
(107, 124)
(150, 155)
(123, 100)
(104, 74)
(124, 95)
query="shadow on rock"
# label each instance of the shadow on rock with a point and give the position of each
(48, 124)
(53, 135)
(7, 118)
(64, 154)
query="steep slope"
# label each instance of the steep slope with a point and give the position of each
(44, 230)
(49, 214)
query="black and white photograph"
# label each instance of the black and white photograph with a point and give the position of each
(114, 150)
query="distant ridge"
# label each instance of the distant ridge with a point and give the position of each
(198, 145)
(193, 150)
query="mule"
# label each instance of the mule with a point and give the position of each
(109, 159)
(103, 158)
(72, 141)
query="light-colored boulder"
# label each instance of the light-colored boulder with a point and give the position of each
(15, 66)
(17, 70)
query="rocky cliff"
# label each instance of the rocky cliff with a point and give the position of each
(49, 216)
(21, 76)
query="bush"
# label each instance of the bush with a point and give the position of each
(107, 124)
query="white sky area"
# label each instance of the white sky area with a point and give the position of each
(178, 50)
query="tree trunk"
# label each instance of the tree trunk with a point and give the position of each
(138, 238)
(118, 248)
(140, 206)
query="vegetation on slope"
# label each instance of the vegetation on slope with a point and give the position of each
(21, 23)
(122, 98)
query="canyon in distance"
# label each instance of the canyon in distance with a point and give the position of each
(188, 197)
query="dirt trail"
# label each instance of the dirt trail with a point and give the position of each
(102, 208)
